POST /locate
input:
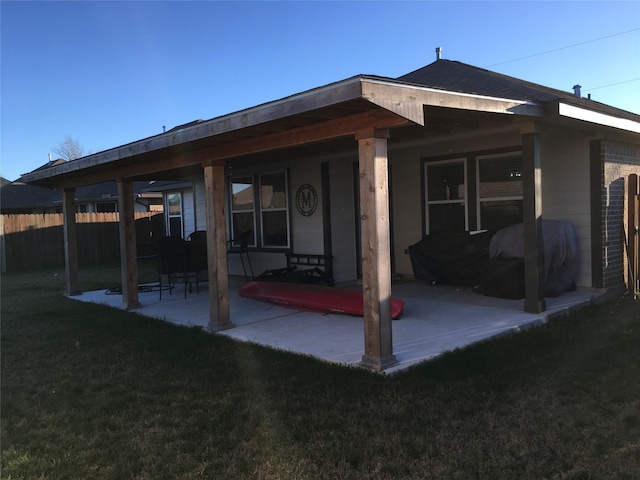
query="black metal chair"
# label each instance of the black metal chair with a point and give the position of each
(172, 263)
(197, 265)
(241, 247)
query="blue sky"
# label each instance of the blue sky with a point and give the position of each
(109, 73)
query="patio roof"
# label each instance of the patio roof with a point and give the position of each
(327, 113)
(435, 320)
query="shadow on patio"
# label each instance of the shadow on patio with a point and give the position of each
(435, 320)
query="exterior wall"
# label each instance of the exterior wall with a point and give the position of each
(343, 219)
(188, 212)
(306, 231)
(408, 224)
(566, 181)
(619, 160)
(407, 206)
(565, 178)
(566, 191)
(199, 202)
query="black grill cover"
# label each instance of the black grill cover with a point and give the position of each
(450, 258)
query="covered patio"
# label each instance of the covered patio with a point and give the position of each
(343, 133)
(435, 320)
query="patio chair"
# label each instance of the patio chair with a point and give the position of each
(172, 262)
(241, 247)
(196, 251)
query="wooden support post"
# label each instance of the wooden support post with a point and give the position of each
(217, 249)
(376, 255)
(128, 260)
(533, 240)
(633, 219)
(71, 265)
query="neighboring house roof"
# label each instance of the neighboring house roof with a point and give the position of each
(4, 181)
(49, 164)
(20, 197)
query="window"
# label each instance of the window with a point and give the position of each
(261, 204)
(273, 210)
(499, 191)
(242, 207)
(106, 207)
(173, 209)
(446, 205)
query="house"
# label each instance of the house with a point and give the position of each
(360, 169)
(19, 197)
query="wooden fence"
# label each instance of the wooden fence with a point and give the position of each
(36, 242)
(633, 236)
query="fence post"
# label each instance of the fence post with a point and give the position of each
(71, 263)
(3, 251)
(633, 254)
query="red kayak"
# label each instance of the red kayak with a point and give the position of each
(314, 298)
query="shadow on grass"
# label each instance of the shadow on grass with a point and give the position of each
(94, 392)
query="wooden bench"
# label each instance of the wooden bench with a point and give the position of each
(302, 268)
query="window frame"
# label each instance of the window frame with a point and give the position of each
(258, 240)
(264, 210)
(169, 216)
(106, 207)
(233, 211)
(464, 201)
(507, 198)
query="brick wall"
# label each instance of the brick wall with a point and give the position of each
(619, 160)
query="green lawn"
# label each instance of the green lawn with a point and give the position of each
(90, 392)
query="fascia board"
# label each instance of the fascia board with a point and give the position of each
(577, 113)
(408, 100)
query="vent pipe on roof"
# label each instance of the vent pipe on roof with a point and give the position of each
(576, 91)
(438, 53)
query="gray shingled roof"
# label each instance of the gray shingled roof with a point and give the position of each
(19, 196)
(460, 77)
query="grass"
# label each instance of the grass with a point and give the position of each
(94, 392)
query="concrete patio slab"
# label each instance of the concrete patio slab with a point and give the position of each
(435, 320)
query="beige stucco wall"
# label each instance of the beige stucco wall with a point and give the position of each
(566, 191)
(343, 220)
(306, 231)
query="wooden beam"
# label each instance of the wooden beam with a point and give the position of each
(150, 166)
(218, 155)
(533, 239)
(329, 130)
(376, 259)
(219, 318)
(128, 260)
(71, 264)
